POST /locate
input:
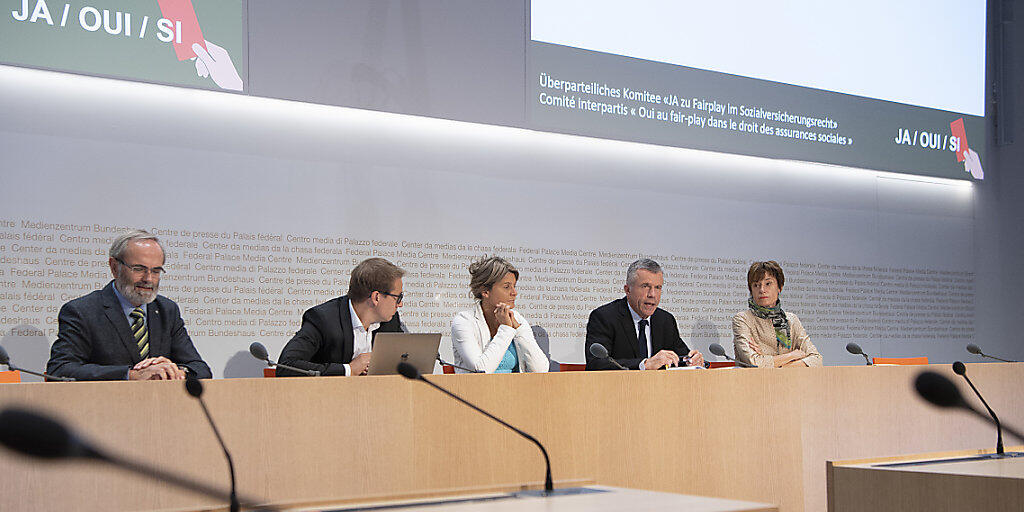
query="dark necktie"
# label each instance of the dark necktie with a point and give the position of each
(641, 337)
(140, 332)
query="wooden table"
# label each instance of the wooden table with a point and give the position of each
(590, 498)
(758, 435)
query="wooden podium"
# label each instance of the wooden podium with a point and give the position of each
(953, 481)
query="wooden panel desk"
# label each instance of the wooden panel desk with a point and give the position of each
(929, 482)
(590, 498)
(758, 435)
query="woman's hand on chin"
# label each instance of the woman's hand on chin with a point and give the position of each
(503, 314)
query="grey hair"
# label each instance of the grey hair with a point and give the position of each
(486, 272)
(120, 244)
(641, 264)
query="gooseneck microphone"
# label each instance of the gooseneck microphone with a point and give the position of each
(974, 349)
(195, 388)
(410, 372)
(941, 392)
(719, 351)
(453, 365)
(961, 370)
(6, 361)
(36, 435)
(260, 352)
(855, 349)
(601, 352)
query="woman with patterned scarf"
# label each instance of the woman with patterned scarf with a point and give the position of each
(764, 335)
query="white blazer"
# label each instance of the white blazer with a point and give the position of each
(474, 347)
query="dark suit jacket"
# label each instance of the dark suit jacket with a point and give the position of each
(612, 326)
(325, 340)
(94, 339)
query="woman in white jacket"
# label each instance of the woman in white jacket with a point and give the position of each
(493, 337)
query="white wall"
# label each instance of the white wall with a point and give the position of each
(90, 151)
(81, 150)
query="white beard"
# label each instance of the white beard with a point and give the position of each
(135, 296)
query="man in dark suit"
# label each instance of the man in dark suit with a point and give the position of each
(126, 331)
(336, 337)
(637, 333)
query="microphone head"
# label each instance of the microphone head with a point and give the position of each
(974, 349)
(598, 350)
(33, 434)
(938, 390)
(959, 368)
(4, 358)
(408, 371)
(716, 349)
(194, 387)
(259, 351)
(854, 348)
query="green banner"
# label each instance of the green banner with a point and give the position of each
(195, 43)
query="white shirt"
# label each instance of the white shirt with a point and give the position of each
(636, 329)
(363, 341)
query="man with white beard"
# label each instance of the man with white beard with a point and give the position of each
(126, 331)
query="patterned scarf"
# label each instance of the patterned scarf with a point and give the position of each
(778, 318)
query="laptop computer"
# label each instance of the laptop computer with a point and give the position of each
(391, 348)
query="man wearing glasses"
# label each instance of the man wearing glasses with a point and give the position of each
(336, 337)
(126, 331)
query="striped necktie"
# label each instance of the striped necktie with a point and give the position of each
(140, 332)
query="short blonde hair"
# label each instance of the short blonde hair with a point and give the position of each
(486, 271)
(759, 269)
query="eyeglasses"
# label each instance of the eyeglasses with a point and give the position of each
(398, 298)
(142, 269)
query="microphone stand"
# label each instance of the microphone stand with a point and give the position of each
(453, 365)
(616, 363)
(10, 366)
(741, 364)
(961, 370)
(197, 392)
(549, 486)
(982, 354)
(308, 373)
(995, 419)
(599, 351)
